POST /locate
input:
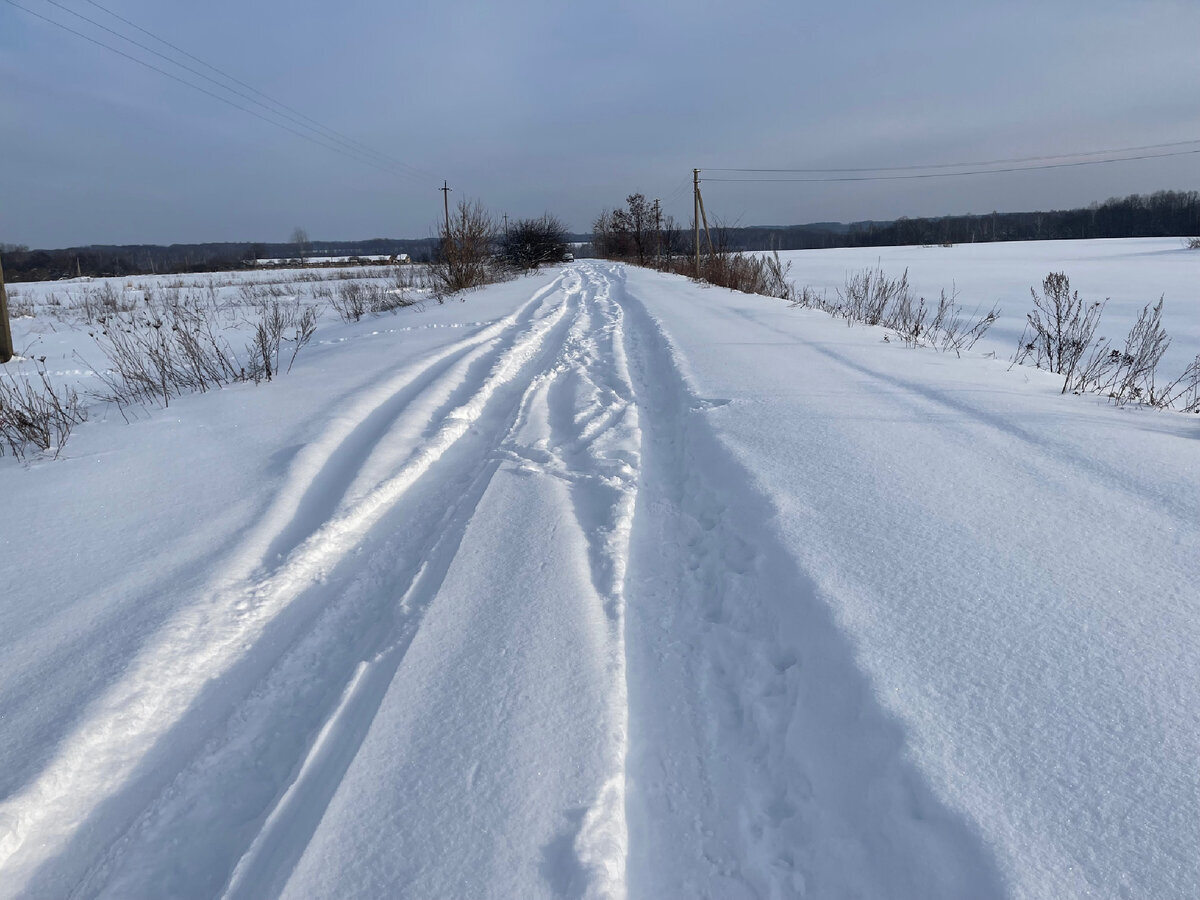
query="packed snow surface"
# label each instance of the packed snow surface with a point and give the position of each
(605, 584)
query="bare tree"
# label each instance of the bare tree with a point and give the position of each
(466, 259)
(630, 233)
(300, 239)
(530, 243)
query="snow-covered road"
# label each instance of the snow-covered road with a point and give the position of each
(610, 585)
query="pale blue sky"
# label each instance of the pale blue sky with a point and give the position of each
(567, 107)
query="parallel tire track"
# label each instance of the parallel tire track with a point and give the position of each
(179, 686)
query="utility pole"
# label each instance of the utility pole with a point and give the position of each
(6, 344)
(506, 224)
(704, 219)
(445, 189)
(657, 234)
(696, 215)
(447, 243)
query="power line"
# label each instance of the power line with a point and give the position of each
(313, 138)
(1065, 165)
(279, 103)
(678, 191)
(200, 74)
(988, 162)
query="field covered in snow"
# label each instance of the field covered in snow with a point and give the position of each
(1128, 274)
(603, 583)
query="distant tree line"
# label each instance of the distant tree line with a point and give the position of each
(630, 233)
(23, 264)
(1161, 214)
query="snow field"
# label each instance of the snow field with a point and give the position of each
(606, 584)
(1015, 571)
(1128, 273)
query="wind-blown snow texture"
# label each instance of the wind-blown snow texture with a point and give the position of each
(604, 584)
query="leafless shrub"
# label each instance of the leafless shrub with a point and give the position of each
(1144, 348)
(349, 301)
(1060, 332)
(870, 297)
(870, 293)
(354, 299)
(1184, 392)
(807, 298)
(18, 306)
(262, 295)
(906, 317)
(952, 329)
(775, 274)
(1192, 243)
(466, 260)
(1060, 336)
(303, 328)
(738, 271)
(153, 358)
(392, 299)
(36, 413)
(408, 278)
(1127, 374)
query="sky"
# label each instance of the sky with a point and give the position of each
(565, 107)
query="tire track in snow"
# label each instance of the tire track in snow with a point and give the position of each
(102, 760)
(316, 484)
(582, 427)
(264, 868)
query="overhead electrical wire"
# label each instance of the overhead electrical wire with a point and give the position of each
(986, 162)
(284, 115)
(679, 189)
(924, 175)
(310, 133)
(273, 101)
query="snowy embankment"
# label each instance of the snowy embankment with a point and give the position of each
(608, 584)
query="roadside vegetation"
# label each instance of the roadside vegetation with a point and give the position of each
(155, 339)
(635, 234)
(475, 252)
(1061, 334)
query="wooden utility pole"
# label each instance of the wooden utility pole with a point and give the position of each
(445, 189)
(704, 218)
(696, 215)
(657, 234)
(448, 245)
(506, 223)
(6, 344)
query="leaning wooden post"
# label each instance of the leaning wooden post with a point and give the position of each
(6, 344)
(696, 215)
